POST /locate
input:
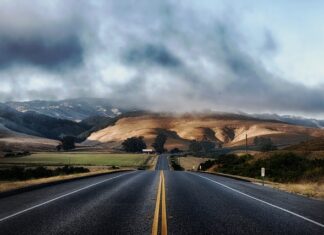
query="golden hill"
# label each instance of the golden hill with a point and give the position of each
(228, 129)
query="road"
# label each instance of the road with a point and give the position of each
(139, 202)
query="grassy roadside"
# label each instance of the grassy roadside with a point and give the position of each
(151, 163)
(285, 171)
(95, 162)
(308, 189)
(6, 186)
(77, 158)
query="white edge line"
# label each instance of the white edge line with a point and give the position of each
(259, 200)
(57, 198)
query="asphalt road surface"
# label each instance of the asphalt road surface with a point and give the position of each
(132, 203)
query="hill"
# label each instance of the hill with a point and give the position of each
(71, 109)
(228, 129)
(295, 120)
(315, 144)
(35, 124)
(14, 141)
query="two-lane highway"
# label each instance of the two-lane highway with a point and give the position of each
(146, 202)
(121, 203)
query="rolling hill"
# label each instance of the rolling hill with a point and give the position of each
(228, 129)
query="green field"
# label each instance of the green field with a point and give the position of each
(91, 159)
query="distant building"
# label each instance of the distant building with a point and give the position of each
(148, 151)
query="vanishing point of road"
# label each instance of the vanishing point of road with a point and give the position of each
(159, 202)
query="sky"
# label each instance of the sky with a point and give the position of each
(251, 56)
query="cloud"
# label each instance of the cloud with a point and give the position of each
(43, 52)
(157, 55)
(152, 55)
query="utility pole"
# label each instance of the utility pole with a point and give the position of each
(246, 143)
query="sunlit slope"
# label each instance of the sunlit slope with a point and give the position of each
(227, 129)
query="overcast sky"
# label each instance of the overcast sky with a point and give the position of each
(251, 55)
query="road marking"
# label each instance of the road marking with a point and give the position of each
(164, 217)
(267, 203)
(160, 195)
(62, 196)
(155, 226)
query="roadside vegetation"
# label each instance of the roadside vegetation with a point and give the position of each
(175, 163)
(22, 173)
(280, 167)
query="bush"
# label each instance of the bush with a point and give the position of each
(175, 164)
(175, 150)
(17, 154)
(20, 173)
(282, 167)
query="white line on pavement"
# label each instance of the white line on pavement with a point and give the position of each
(57, 198)
(259, 200)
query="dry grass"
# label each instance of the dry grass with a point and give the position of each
(189, 162)
(309, 189)
(11, 185)
(152, 162)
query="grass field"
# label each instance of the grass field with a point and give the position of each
(91, 159)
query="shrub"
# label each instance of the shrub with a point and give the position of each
(282, 167)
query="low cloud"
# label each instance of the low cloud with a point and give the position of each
(150, 54)
(40, 52)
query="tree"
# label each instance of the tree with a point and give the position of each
(59, 147)
(265, 144)
(175, 150)
(207, 145)
(201, 146)
(68, 142)
(134, 144)
(159, 142)
(195, 146)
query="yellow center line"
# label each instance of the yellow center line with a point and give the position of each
(155, 226)
(164, 217)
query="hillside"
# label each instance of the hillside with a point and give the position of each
(229, 129)
(71, 109)
(11, 140)
(315, 144)
(40, 125)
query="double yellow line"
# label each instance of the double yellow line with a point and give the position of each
(160, 195)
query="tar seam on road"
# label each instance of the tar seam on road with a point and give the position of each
(62, 196)
(267, 203)
(155, 226)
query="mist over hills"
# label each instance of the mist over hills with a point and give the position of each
(96, 121)
(71, 109)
